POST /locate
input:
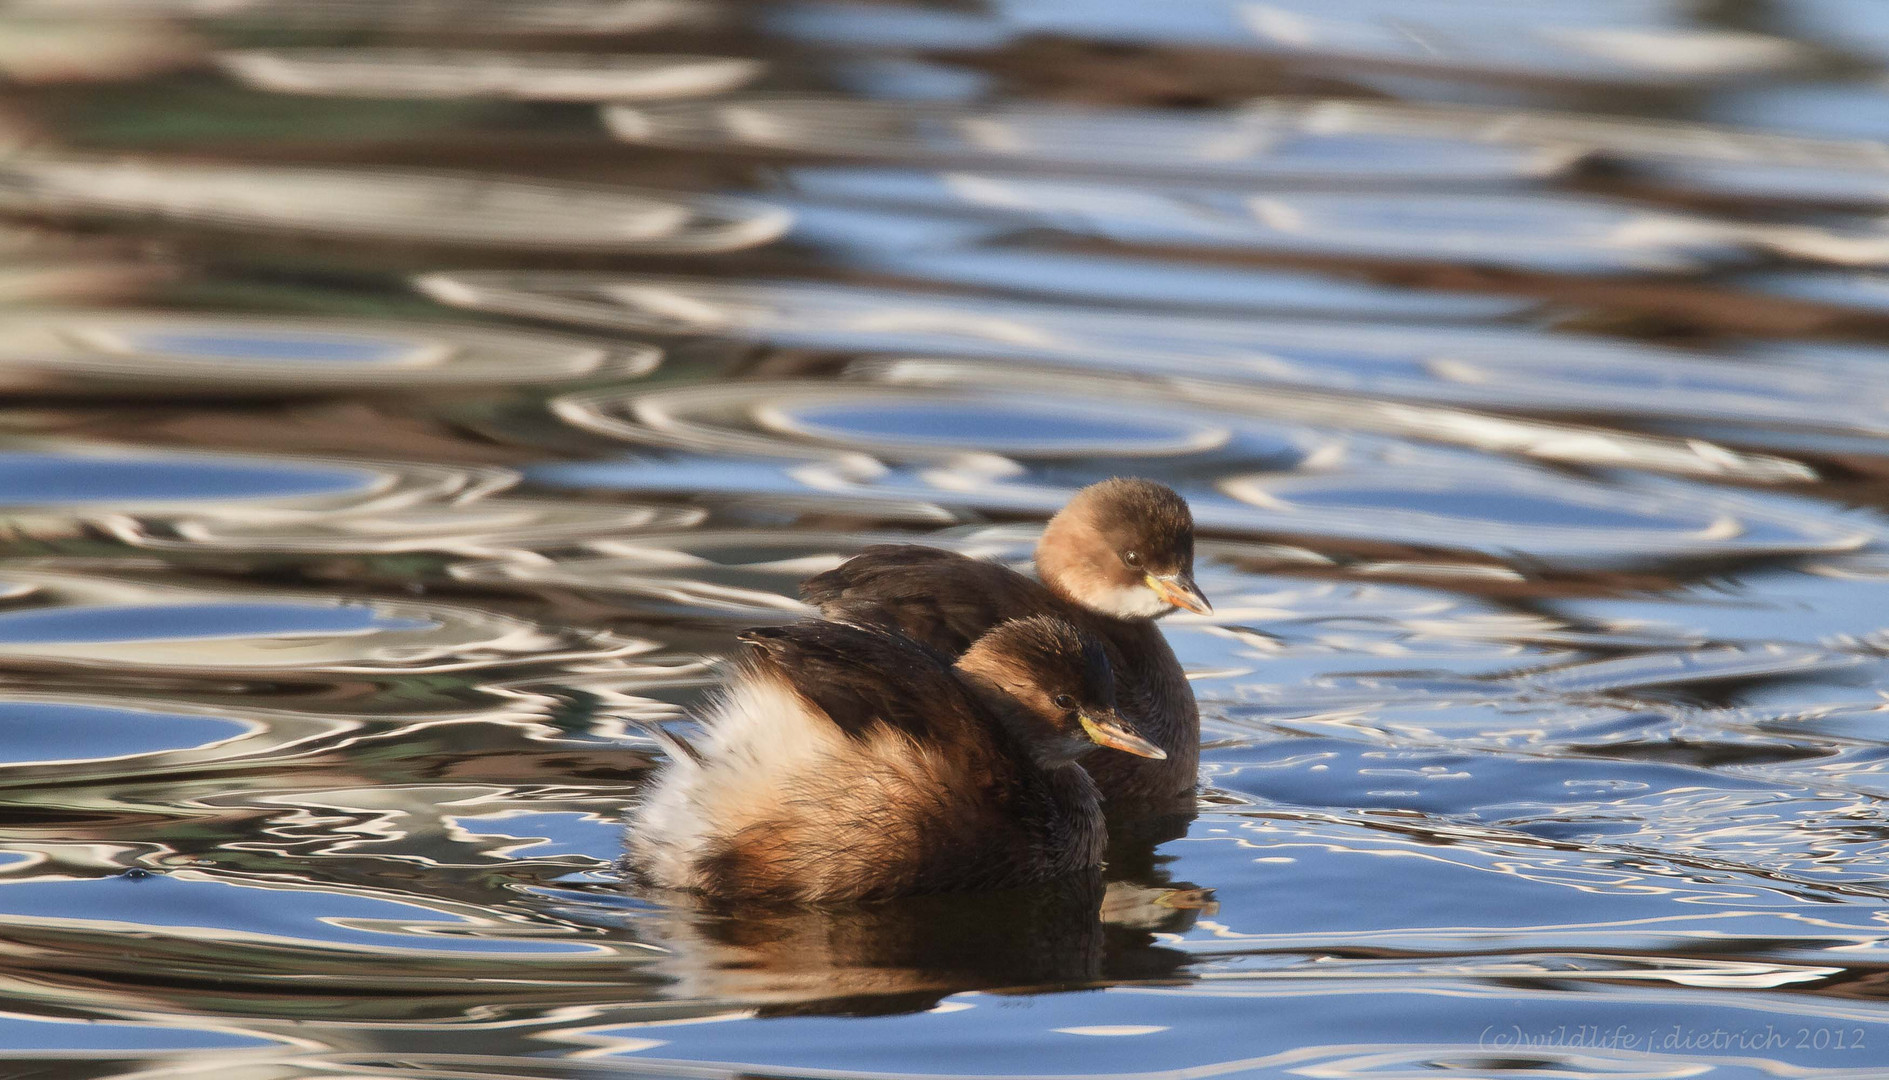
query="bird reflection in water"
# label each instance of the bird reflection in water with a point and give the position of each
(908, 954)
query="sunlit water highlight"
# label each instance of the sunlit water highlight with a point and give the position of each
(409, 402)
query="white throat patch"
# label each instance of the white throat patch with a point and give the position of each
(1133, 602)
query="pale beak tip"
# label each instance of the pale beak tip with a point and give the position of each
(1118, 736)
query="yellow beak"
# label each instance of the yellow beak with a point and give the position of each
(1110, 730)
(1180, 590)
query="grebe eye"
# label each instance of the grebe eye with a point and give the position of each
(1132, 558)
(1065, 702)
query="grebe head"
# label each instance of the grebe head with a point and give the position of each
(1125, 548)
(1062, 689)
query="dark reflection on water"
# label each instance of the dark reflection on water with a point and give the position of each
(408, 403)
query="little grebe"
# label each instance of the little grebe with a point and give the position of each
(848, 763)
(1118, 556)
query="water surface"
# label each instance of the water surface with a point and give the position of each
(408, 403)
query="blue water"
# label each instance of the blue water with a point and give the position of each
(982, 425)
(50, 731)
(226, 620)
(40, 479)
(288, 348)
(1522, 364)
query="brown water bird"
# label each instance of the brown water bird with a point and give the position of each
(1118, 556)
(850, 763)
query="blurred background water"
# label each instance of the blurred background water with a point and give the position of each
(406, 401)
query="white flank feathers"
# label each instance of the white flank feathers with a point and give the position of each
(757, 735)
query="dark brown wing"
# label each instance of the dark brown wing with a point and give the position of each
(941, 598)
(861, 677)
